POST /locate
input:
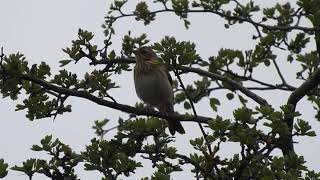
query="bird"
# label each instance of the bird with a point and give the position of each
(153, 85)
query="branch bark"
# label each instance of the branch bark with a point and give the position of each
(100, 101)
(286, 142)
(235, 84)
(305, 88)
(231, 17)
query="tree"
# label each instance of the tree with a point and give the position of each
(258, 127)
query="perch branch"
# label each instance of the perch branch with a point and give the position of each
(100, 101)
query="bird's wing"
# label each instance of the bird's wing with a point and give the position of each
(157, 62)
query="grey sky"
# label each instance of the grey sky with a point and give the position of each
(39, 29)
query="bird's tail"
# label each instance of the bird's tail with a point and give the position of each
(175, 126)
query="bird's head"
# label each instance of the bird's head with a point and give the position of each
(144, 53)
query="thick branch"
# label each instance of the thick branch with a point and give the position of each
(110, 104)
(305, 88)
(285, 141)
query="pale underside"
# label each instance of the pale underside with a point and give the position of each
(154, 89)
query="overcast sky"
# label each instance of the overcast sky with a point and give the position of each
(40, 29)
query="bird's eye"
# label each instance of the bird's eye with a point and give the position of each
(144, 52)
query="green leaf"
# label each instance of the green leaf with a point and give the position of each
(46, 140)
(181, 7)
(64, 62)
(28, 167)
(214, 102)
(3, 168)
(265, 110)
(230, 96)
(187, 105)
(142, 12)
(266, 62)
(36, 148)
(242, 100)
(311, 134)
(119, 3)
(186, 23)
(243, 114)
(220, 125)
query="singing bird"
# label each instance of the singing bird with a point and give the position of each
(153, 84)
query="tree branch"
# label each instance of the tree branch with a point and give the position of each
(205, 136)
(305, 88)
(235, 84)
(185, 69)
(279, 71)
(285, 141)
(100, 101)
(285, 87)
(230, 17)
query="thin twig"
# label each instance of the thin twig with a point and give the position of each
(193, 109)
(269, 88)
(279, 72)
(60, 108)
(233, 83)
(246, 78)
(1, 56)
(231, 17)
(1, 64)
(106, 131)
